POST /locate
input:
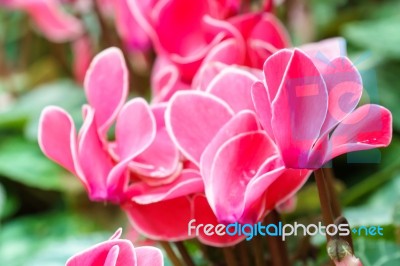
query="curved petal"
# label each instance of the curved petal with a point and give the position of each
(94, 159)
(285, 187)
(161, 159)
(106, 86)
(107, 253)
(204, 215)
(234, 167)
(267, 36)
(192, 119)
(57, 137)
(206, 74)
(149, 256)
(83, 52)
(323, 52)
(233, 85)
(242, 122)
(368, 127)
(299, 109)
(165, 220)
(165, 80)
(188, 182)
(345, 87)
(262, 106)
(135, 129)
(133, 35)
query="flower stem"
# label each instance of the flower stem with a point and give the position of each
(257, 251)
(184, 253)
(277, 247)
(171, 254)
(229, 256)
(324, 198)
(244, 255)
(330, 180)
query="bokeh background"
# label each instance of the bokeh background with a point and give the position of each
(45, 215)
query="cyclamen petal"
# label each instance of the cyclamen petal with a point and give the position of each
(134, 37)
(192, 119)
(57, 137)
(242, 122)
(345, 87)
(188, 182)
(106, 86)
(117, 252)
(233, 86)
(235, 167)
(160, 220)
(161, 160)
(299, 110)
(369, 126)
(95, 161)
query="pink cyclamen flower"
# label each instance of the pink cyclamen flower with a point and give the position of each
(240, 165)
(104, 167)
(186, 33)
(311, 112)
(50, 18)
(117, 252)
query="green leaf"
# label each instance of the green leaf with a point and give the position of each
(46, 240)
(26, 111)
(377, 252)
(24, 162)
(380, 36)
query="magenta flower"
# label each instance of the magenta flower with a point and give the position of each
(141, 143)
(117, 252)
(310, 112)
(240, 165)
(50, 18)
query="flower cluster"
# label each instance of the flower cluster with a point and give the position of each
(236, 124)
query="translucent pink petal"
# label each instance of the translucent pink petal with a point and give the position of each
(235, 165)
(323, 52)
(192, 119)
(188, 182)
(161, 159)
(267, 36)
(229, 51)
(262, 106)
(242, 122)
(106, 86)
(165, 81)
(94, 159)
(135, 129)
(233, 85)
(112, 257)
(112, 252)
(147, 256)
(345, 87)
(166, 220)
(274, 69)
(299, 108)
(133, 35)
(368, 127)
(204, 215)
(206, 74)
(50, 18)
(57, 137)
(284, 187)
